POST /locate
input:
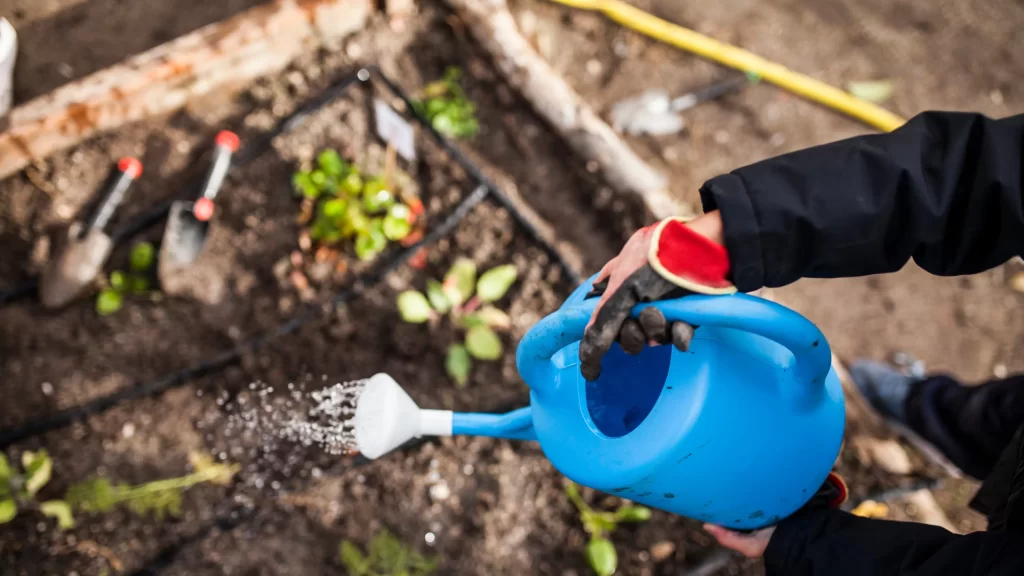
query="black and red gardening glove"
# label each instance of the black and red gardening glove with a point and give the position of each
(669, 259)
(832, 494)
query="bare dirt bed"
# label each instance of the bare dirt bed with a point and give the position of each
(504, 511)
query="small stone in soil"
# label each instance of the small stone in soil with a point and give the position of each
(662, 550)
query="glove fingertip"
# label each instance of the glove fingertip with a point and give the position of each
(682, 334)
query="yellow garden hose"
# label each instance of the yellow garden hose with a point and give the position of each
(742, 60)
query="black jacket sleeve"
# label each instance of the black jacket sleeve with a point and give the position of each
(944, 189)
(835, 543)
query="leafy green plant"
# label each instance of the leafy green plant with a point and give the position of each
(121, 284)
(18, 490)
(345, 204)
(446, 107)
(386, 556)
(475, 314)
(599, 525)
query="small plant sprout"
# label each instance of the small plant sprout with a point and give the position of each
(121, 284)
(446, 107)
(599, 525)
(342, 204)
(386, 556)
(18, 490)
(468, 302)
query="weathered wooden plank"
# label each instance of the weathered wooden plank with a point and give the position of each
(222, 56)
(493, 26)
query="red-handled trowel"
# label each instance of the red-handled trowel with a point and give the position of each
(188, 222)
(86, 246)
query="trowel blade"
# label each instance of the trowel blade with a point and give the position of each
(648, 113)
(184, 238)
(74, 268)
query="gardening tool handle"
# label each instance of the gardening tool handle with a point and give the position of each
(227, 142)
(812, 356)
(115, 189)
(709, 92)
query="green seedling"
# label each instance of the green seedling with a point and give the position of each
(599, 525)
(350, 206)
(468, 303)
(19, 490)
(121, 284)
(446, 107)
(386, 556)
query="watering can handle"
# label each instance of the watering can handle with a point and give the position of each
(811, 352)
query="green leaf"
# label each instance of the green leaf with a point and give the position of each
(374, 185)
(108, 302)
(458, 364)
(369, 244)
(8, 510)
(465, 128)
(876, 91)
(334, 208)
(378, 201)
(633, 514)
(443, 123)
(38, 469)
(494, 283)
(413, 307)
(216, 473)
(118, 281)
(142, 257)
(494, 318)
(352, 184)
(331, 163)
(437, 298)
(460, 281)
(138, 284)
(303, 183)
(60, 510)
(94, 495)
(5, 470)
(435, 90)
(598, 523)
(573, 492)
(401, 212)
(470, 320)
(385, 550)
(483, 344)
(355, 562)
(396, 228)
(318, 178)
(602, 557)
(355, 222)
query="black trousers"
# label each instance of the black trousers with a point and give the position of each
(981, 430)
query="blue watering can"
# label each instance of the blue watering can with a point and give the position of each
(740, 431)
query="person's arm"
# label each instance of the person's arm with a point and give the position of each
(834, 543)
(945, 189)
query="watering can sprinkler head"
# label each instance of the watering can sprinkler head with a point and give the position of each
(386, 417)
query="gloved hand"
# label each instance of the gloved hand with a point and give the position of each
(669, 259)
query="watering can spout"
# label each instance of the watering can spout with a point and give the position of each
(386, 417)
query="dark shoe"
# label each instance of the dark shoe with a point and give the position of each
(884, 387)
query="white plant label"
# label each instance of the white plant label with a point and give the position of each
(394, 130)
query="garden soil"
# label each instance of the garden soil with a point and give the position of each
(481, 506)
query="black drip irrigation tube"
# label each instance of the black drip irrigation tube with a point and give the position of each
(484, 189)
